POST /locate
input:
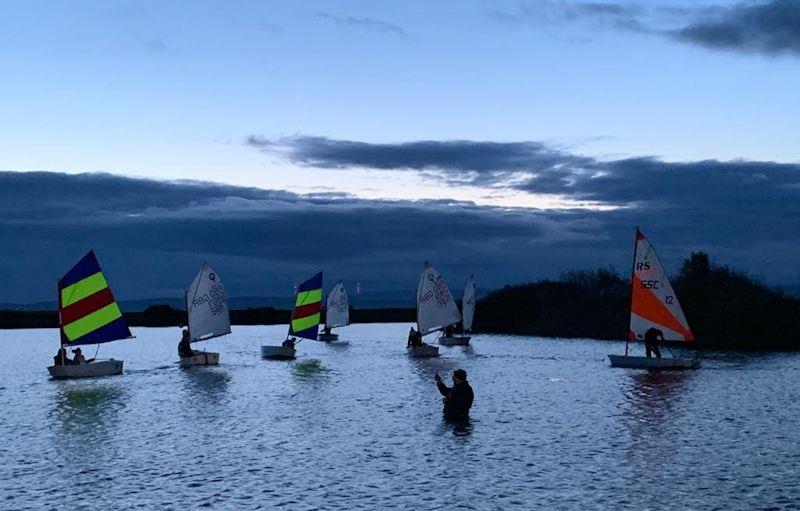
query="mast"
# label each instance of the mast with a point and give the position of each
(630, 303)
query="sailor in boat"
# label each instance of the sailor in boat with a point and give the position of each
(448, 332)
(327, 330)
(414, 339)
(651, 341)
(185, 345)
(61, 358)
(78, 357)
(458, 398)
(289, 343)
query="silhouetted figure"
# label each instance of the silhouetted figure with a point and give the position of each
(61, 358)
(458, 398)
(78, 357)
(288, 343)
(651, 341)
(326, 330)
(185, 345)
(414, 339)
(448, 332)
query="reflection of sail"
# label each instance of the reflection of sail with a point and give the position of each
(205, 384)
(653, 399)
(87, 413)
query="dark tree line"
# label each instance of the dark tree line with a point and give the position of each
(725, 308)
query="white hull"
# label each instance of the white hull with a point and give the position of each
(277, 352)
(90, 370)
(201, 358)
(653, 363)
(424, 351)
(328, 337)
(455, 341)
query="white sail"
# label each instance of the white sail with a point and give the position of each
(338, 307)
(468, 304)
(207, 306)
(436, 308)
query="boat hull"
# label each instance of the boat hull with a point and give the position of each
(328, 337)
(278, 352)
(462, 340)
(424, 351)
(653, 363)
(94, 369)
(201, 358)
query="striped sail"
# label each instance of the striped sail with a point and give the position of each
(87, 311)
(653, 302)
(307, 307)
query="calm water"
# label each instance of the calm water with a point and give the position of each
(360, 427)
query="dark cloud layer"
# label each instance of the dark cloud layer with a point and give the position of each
(769, 28)
(739, 207)
(151, 235)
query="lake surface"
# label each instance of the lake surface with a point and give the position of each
(359, 426)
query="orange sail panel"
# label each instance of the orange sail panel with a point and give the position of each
(654, 303)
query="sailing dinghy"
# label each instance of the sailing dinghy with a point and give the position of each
(87, 314)
(304, 322)
(467, 313)
(436, 310)
(337, 312)
(207, 314)
(653, 304)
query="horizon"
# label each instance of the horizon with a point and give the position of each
(514, 140)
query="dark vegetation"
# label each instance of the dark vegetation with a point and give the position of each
(725, 308)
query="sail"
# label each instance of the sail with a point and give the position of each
(468, 304)
(436, 308)
(207, 306)
(653, 302)
(307, 307)
(87, 311)
(337, 308)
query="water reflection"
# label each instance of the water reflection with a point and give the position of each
(307, 369)
(652, 398)
(207, 382)
(459, 428)
(88, 411)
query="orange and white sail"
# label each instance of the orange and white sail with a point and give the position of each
(654, 303)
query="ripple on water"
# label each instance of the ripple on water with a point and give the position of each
(359, 426)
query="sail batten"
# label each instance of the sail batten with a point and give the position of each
(436, 308)
(307, 308)
(337, 307)
(653, 301)
(207, 306)
(88, 313)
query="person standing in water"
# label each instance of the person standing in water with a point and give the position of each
(651, 341)
(458, 398)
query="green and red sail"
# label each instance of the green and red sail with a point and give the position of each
(307, 308)
(87, 311)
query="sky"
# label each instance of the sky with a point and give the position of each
(510, 139)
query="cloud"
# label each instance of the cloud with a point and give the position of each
(151, 235)
(367, 23)
(718, 198)
(770, 28)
